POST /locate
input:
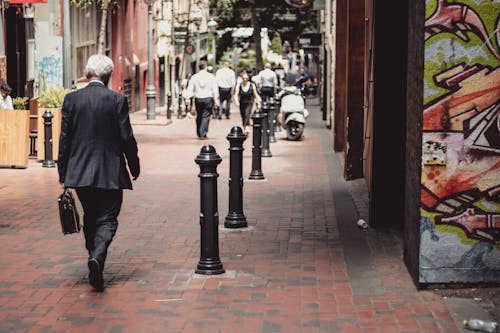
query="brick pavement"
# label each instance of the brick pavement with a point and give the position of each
(300, 266)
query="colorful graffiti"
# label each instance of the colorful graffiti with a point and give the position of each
(460, 196)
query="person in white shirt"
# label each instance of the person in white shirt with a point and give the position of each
(268, 82)
(226, 80)
(203, 87)
(5, 99)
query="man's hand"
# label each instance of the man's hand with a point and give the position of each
(62, 185)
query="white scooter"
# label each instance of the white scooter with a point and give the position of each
(293, 113)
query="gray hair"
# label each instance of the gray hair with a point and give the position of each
(99, 65)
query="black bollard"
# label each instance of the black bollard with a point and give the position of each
(256, 172)
(209, 263)
(179, 109)
(169, 105)
(266, 152)
(235, 217)
(272, 120)
(277, 109)
(48, 162)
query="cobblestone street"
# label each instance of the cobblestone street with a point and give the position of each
(302, 265)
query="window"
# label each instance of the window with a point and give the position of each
(85, 24)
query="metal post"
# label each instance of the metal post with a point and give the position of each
(266, 152)
(235, 218)
(169, 105)
(256, 172)
(272, 120)
(214, 61)
(277, 110)
(179, 110)
(48, 162)
(150, 89)
(209, 263)
(66, 45)
(197, 51)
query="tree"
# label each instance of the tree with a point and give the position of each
(106, 6)
(288, 21)
(277, 44)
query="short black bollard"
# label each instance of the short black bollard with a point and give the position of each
(169, 105)
(235, 218)
(272, 120)
(48, 162)
(179, 109)
(266, 151)
(209, 263)
(256, 172)
(277, 110)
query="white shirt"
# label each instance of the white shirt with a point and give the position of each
(203, 85)
(268, 78)
(6, 103)
(226, 78)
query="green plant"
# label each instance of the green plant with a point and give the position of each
(19, 103)
(52, 98)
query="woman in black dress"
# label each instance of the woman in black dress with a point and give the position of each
(245, 96)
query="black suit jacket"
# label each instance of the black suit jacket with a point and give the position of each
(96, 137)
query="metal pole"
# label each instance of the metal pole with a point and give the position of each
(256, 172)
(169, 105)
(214, 61)
(48, 162)
(266, 152)
(272, 120)
(209, 263)
(150, 89)
(197, 48)
(66, 46)
(235, 217)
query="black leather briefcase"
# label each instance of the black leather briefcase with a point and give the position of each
(70, 220)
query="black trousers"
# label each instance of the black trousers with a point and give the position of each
(246, 112)
(225, 95)
(100, 212)
(204, 108)
(266, 92)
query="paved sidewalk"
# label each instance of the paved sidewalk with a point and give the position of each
(302, 265)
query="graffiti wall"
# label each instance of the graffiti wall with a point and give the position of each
(460, 193)
(48, 59)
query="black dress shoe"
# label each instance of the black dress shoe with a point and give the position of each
(95, 275)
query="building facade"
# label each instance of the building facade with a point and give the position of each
(420, 121)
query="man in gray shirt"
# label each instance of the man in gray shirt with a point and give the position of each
(268, 82)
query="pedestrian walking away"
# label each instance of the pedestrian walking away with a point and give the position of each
(268, 82)
(203, 87)
(95, 144)
(226, 80)
(245, 96)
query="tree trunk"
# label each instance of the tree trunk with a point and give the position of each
(102, 31)
(256, 35)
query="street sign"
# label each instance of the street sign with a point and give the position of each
(180, 35)
(310, 40)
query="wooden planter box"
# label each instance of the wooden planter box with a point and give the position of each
(56, 131)
(14, 138)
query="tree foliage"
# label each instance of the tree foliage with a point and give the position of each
(277, 44)
(277, 16)
(105, 6)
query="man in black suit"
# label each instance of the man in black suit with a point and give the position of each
(96, 139)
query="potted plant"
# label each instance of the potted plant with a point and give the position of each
(50, 100)
(19, 103)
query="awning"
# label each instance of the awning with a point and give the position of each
(18, 2)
